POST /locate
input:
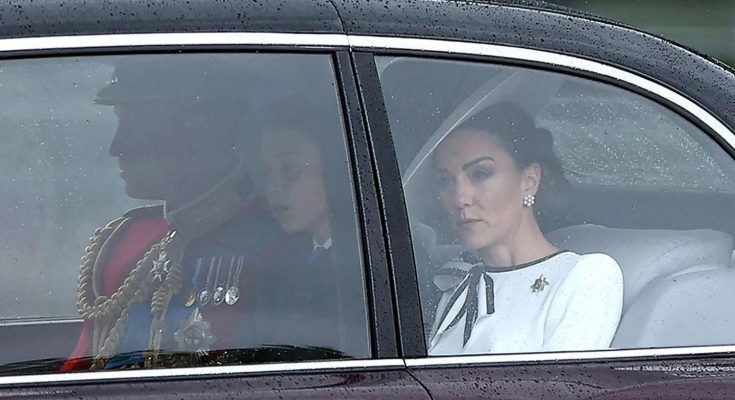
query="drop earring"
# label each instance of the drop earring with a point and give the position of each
(529, 200)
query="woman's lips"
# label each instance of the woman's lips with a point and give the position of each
(123, 167)
(467, 222)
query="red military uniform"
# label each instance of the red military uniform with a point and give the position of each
(140, 232)
(145, 289)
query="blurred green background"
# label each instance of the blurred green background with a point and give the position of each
(707, 26)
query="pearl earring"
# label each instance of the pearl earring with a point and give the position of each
(529, 200)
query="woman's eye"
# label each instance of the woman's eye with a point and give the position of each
(481, 174)
(443, 180)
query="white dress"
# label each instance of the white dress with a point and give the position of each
(565, 302)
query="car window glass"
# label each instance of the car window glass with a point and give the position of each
(551, 212)
(594, 124)
(217, 192)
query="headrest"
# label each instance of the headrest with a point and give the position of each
(644, 254)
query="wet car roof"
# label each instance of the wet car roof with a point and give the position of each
(72, 17)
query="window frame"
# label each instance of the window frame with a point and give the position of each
(379, 302)
(568, 64)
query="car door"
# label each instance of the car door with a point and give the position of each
(659, 171)
(70, 114)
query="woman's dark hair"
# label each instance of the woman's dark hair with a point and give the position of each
(526, 144)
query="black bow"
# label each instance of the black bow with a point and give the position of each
(470, 281)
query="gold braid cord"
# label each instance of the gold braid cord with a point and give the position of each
(109, 315)
(160, 300)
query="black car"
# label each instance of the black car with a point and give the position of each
(263, 175)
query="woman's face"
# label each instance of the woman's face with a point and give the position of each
(481, 188)
(292, 181)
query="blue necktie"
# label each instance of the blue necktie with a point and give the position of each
(316, 255)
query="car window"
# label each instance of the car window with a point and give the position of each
(551, 212)
(176, 210)
(605, 136)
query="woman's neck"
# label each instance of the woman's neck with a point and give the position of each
(526, 244)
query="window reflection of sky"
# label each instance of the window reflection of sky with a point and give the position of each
(58, 178)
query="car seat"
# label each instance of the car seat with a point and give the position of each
(645, 254)
(677, 282)
(688, 309)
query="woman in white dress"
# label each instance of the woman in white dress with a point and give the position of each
(513, 291)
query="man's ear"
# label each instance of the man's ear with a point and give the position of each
(531, 179)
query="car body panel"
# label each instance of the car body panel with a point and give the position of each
(701, 379)
(339, 385)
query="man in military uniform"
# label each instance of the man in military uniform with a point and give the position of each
(162, 285)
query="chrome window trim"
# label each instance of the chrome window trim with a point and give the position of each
(110, 376)
(173, 39)
(599, 355)
(548, 58)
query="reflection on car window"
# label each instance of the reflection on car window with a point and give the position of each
(554, 213)
(595, 123)
(216, 262)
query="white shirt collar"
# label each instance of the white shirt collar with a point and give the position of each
(326, 245)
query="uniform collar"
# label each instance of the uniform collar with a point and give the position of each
(325, 245)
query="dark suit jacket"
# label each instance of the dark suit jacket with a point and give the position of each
(305, 304)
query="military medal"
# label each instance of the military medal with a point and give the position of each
(233, 292)
(192, 297)
(232, 295)
(219, 292)
(195, 335)
(205, 295)
(160, 266)
(229, 280)
(219, 295)
(539, 284)
(190, 300)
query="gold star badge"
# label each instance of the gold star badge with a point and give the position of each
(539, 284)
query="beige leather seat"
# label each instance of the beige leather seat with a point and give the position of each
(647, 254)
(689, 309)
(678, 283)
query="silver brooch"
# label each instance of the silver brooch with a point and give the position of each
(160, 266)
(539, 284)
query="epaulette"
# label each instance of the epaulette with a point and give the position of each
(129, 218)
